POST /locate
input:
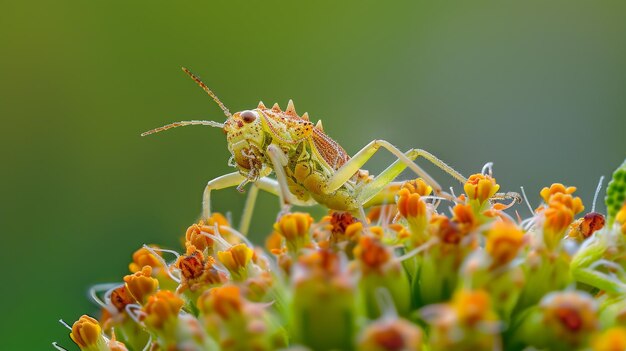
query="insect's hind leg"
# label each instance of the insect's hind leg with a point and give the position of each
(380, 189)
(404, 160)
(382, 195)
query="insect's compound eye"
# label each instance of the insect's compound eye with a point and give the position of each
(248, 116)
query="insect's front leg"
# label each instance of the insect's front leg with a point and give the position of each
(279, 161)
(268, 185)
(226, 181)
(233, 179)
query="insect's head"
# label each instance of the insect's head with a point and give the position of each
(245, 136)
(244, 132)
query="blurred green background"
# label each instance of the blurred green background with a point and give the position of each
(538, 87)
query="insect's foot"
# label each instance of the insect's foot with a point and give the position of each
(286, 208)
(516, 197)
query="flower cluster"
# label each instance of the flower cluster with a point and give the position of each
(419, 274)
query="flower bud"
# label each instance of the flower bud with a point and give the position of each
(141, 284)
(294, 227)
(143, 257)
(87, 334)
(340, 234)
(120, 297)
(162, 310)
(115, 345)
(417, 186)
(197, 272)
(323, 307)
(465, 323)
(620, 218)
(195, 234)
(372, 254)
(236, 260)
(569, 316)
(414, 210)
(465, 217)
(613, 339)
(503, 242)
(390, 334)
(616, 193)
(226, 301)
(472, 307)
(191, 265)
(480, 187)
(381, 271)
(556, 188)
(583, 228)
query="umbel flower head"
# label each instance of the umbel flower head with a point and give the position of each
(419, 273)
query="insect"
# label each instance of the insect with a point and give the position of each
(310, 168)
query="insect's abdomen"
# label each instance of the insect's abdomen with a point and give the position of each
(306, 176)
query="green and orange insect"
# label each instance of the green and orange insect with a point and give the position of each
(310, 168)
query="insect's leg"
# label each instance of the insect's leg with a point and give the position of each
(271, 186)
(382, 189)
(386, 194)
(344, 173)
(509, 195)
(248, 209)
(279, 161)
(225, 181)
(268, 185)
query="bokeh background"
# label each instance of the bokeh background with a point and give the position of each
(538, 87)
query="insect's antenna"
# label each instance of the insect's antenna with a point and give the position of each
(182, 124)
(208, 91)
